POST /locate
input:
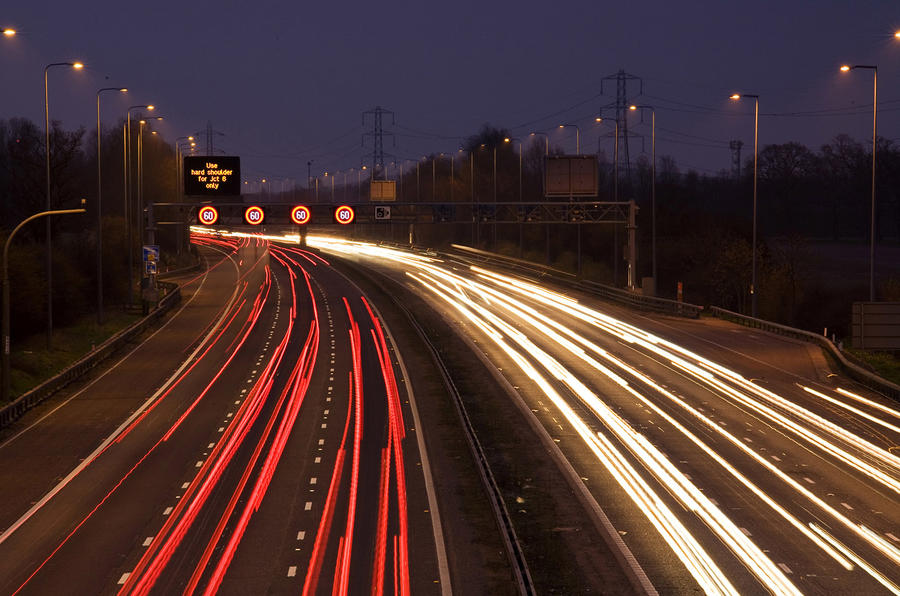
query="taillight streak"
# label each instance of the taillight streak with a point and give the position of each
(318, 552)
(152, 564)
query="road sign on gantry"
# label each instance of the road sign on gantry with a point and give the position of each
(383, 190)
(254, 215)
(300, 214)
(344, 214)
(216, 176)
(208, 215)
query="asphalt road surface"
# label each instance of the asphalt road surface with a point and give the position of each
(729, 460)
(261, 442)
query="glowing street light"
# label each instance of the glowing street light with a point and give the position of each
(755, 98)
(76, 66)
(9, 32)
(874, 69)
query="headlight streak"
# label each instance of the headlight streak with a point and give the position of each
(685, 546)
(653, 460)
(869, 402)
(653, 344)
(457, 288)
(856, 411)
(863, 532)
(856, 559)
(553, 329)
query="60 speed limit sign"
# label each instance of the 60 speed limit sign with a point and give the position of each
(254, 215)
(208, 215)
(300, 214)
(344, 214)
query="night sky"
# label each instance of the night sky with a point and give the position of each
(286, 82)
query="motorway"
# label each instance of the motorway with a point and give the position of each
(725, 461)
(263, 442)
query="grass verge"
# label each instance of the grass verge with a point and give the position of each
(885, 364)
(31, 363)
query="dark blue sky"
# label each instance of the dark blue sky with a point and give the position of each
(287, 81)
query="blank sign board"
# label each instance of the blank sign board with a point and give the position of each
(570, 176)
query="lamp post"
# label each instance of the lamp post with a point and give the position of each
(4, 281)
(99, 210)
(433, 176)
(510, 140)
(9, 32)
(180, 143)
(652, 188)
(76, 66)
(755, 98)
(332, 185)
(140, 169)
(359, 182)
(577, 137)
(600, 119)
(129, 203)
(874, 69)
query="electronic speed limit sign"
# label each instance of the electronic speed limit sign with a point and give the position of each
(208, 215)
(344, 214)
(300, 214)
(254, 215)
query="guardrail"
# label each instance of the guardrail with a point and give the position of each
(74, 371)
(621, 296)
(856, 372)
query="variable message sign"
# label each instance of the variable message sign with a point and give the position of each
(216, 176)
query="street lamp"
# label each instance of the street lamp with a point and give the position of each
(577, 137)
(652, 188)
(546, 140)
(9, 32)
(180, 143)
(332, 185)
(129, 206)
(510, 140)
(755, 98)
(99, 210)
(4, 281)
(140, 169)
(76, 66)
(600, 119)
(874, 69)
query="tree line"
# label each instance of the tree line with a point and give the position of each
(73, 177)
